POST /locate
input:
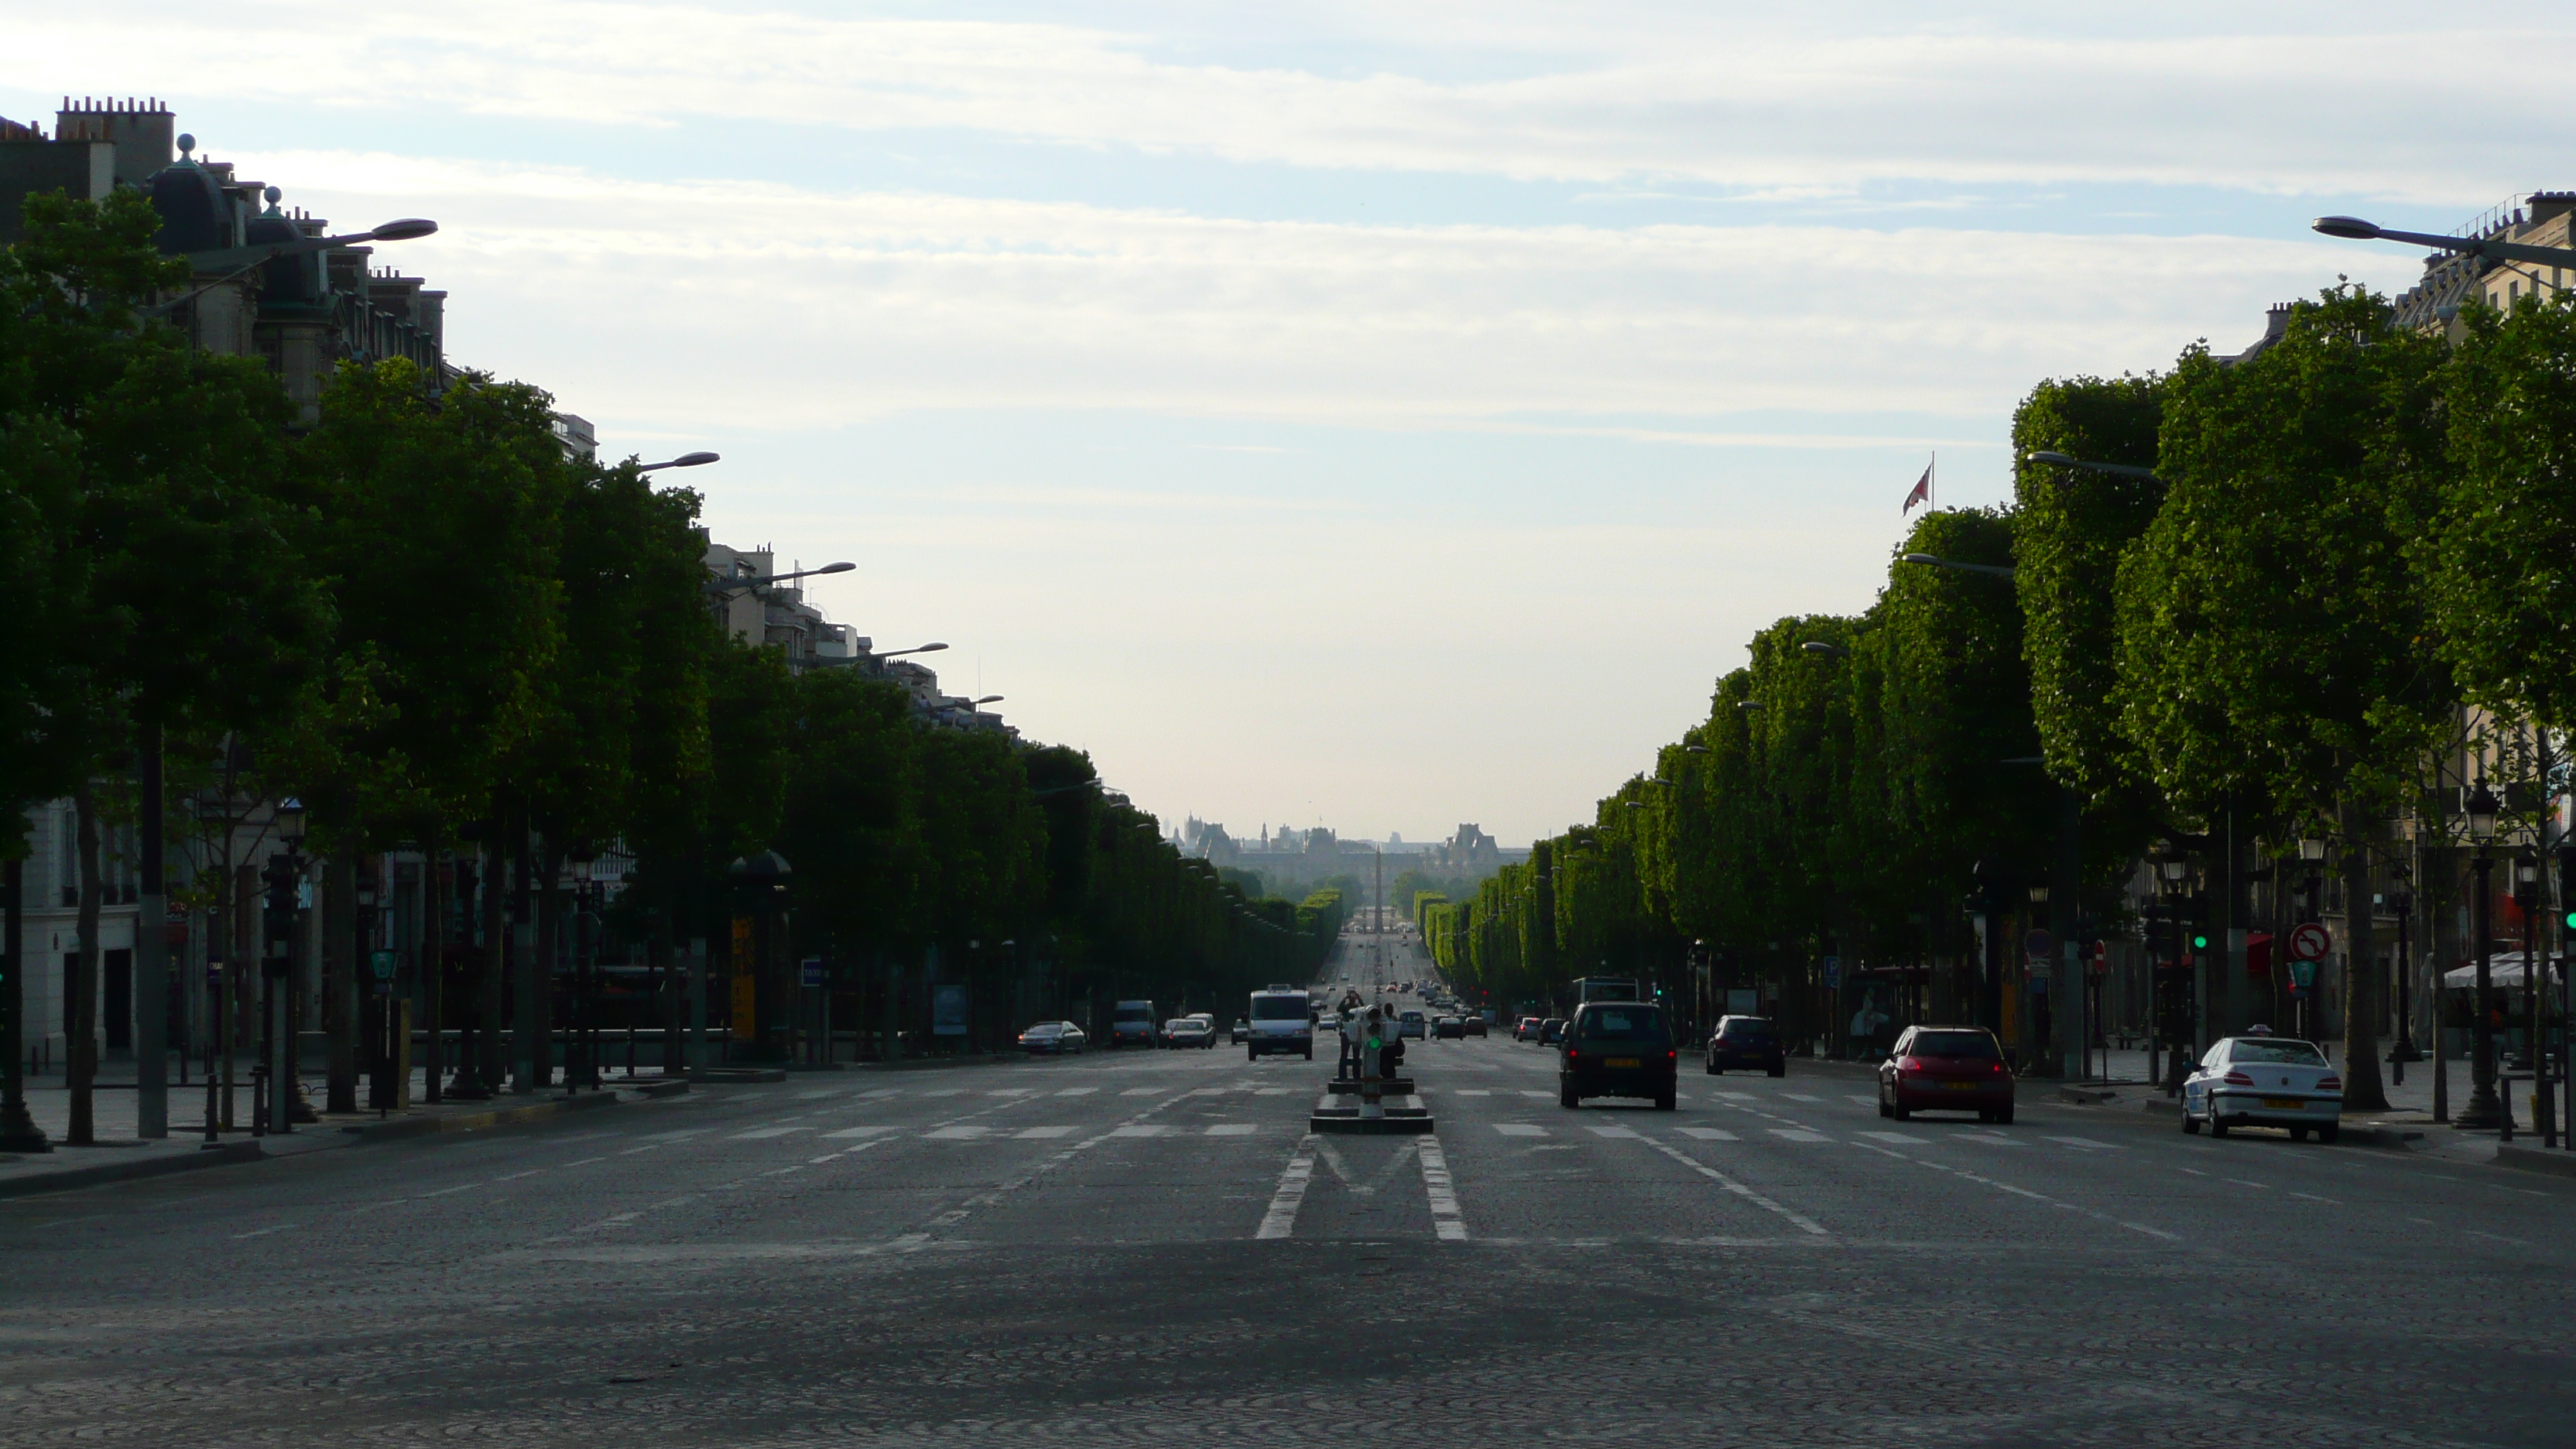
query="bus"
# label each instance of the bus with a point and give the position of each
(1605, 988)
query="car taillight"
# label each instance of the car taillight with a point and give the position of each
(1908, 1064)
(1995, 1067)
(2329, 1084)
(2238, 1079)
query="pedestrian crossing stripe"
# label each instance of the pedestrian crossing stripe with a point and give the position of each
(862, 1131)
(1898, 1137)
(1708, 1134)
(1798, 1134)
(1044, 1134)
(1077, 1091)
(758, 1132)
(957, 1134)
(1520, 1129)
(1231, 1129)
(1147, 1129)
(1613, 1131)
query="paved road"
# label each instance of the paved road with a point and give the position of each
(1148, 1246)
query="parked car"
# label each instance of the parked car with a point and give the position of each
(2264, 1081)
(1551, 1031)
(1471, 1026)
(1617, 1049)
(1749, 1042)
(1528, 1029)
(1242, 1032)
(1946, 1069)
(1053, 1038)
(1189, 1031)
(1448, 1028)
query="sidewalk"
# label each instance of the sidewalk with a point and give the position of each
(119, 1155)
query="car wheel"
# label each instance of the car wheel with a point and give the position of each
(1901, 1113)
(1667, 1101)
(1713, 1070)
(2190, 1123)
(1883, 1108)
(1565, 1096)
(1310, 1054)
(2328, 1133)
(1780, 1071)
(2004, 1117)
(2298, 1134)
(2217, 1124)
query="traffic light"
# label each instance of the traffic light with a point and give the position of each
(2200, 940)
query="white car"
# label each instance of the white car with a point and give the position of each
(2264, 1081)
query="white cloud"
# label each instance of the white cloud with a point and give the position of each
(802, 309)
(1736, 97)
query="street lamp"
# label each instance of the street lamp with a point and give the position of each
(685, 460)
(2485, 1108)
(1997, 570)
(2353, 228)
(1830, 651)
(762, 581)
(2535, 1052)
(584, 1003)
(236, 262)
(2402, 903)
(2117, 470)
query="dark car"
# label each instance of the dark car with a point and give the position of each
(1473, 1026)
(1748, 1042)
(1448, 1028)
(1528, 1029)
(1052, 1038)
(1617, 1049)
(1946, 1069)
(1551, 1031)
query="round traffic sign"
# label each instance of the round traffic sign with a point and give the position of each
(2039, 945)
(2310, 941)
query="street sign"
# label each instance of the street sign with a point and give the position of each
(2310, 941)
(2039, 945)
(2303, 973)
(1833, 973)
(811, 971)
(383, 963)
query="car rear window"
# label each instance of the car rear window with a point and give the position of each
(2294, 1053)
(1744, 1027)
(1278, 1008)
(1621, 1023)
(1975, 1044)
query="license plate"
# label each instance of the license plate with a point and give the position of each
(1963, 1086)
(2286, 1104)
(1619, 1061)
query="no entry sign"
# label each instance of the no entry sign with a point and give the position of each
(2310, 942)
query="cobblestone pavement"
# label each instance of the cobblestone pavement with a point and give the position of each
(1149, 1246)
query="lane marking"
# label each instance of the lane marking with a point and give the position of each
(1148, 1129)
(1864, 1101)
(2088, 1142)
(1441, 1189)
(1542, 1096)
(1232, 1129)
(1803, 1222)
(1898, 1137)
(1707, 1134)
(1043, 1134)
(860, 1132)
(1077, 1091)
(1281, 1220)
(1473, 1092)
(761, 1132)
(1803, 1097)
(1798, 1134)
(1144, 1091)
(957, 1134)
(262, 1232)
(1520, 1129)
(1613, 1130)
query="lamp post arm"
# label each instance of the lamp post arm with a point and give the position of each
(2490, 249)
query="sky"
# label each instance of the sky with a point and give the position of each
(1377, 415)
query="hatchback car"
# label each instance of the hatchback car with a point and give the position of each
(1411, 1024)
(1617, 1049)
(1052, 1038)
(2264, 1081)
(1528, 1029)
(1747, 1042)
(1551, 1031)
(1946, 1069)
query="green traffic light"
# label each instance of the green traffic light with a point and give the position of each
(2200, 943)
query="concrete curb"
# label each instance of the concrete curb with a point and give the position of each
(163, 1166)
(720, 1075)
(2533, 1159)
(2087, 1096)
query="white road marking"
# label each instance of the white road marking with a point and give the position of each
(1231, 1129)
(1898, 1137)
(1441, 1189)
(1804, 1223)
(1281, 1220)
(1526, 1092)
(1144, 1091)
(1991, 1139)
(1520, 1129)
(1707, 1134)
(766, 1132)
(1613, 1130)
(946, 1092)
(861, 1131)
(2240, 1182)
(2087, 1142)
(1041, 1134)
(262, 1232)
(1148, 1129)
(1473, 1092)
(1740, 1096)
(1866, 1101)
(1798, 1134)
(1800, 1097)
(1011, 1092)
(958, 1134)
(1077, 1091)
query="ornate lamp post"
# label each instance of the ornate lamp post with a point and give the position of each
(2535, 1042)
(2172, 873)
(2402, 903)
(2485, 1108)
(581, 1055)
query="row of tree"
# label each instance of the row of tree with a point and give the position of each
(425, 620)
(2318, 562)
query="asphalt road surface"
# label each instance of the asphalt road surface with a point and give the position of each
(1148, 1246)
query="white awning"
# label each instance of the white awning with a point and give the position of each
(2504, 968)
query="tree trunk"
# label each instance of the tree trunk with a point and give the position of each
(80, 981)
(488, 961)
(344, 937)
(2361, 1082)
(432, 965)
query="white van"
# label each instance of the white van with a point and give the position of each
(1281, 1021)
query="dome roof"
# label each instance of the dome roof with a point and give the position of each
(195, 215)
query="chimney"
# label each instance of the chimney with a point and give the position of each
(143, 132)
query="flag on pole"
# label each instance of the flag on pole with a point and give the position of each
(1922, 491)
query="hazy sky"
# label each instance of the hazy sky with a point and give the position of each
(1377, 414)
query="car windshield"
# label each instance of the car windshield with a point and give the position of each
(1134, 1013)
(1413, 1016)
(1621, 1023)
(1045, 1028)
(2294, 1053)
(1278, 1008)
(1973, 1044)
(1744, 1026)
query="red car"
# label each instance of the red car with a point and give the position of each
(1946, 1069)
